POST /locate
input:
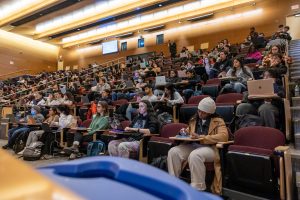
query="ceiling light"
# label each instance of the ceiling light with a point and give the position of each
(160, 5)
(124, 35)
(154, 28)
(201, 17)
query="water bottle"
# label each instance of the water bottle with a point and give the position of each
(297, 90)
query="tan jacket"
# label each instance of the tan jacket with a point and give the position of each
(217, 132)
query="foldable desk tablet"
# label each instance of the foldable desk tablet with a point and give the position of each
(113, 178)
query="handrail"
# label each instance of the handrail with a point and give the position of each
(84, 70)
(16, 72)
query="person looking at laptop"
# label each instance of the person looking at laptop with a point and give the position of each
(34, 117)
(206, 124)
(100, 121)
(268, 109)
(144, 123)
(242, 73)
(34, 136)
(171, 97)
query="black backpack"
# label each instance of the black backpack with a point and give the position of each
(164, 118)
(20, 142)
(160, 162)
(248, 120)
(33, 152)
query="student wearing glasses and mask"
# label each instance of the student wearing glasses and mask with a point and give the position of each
(206, 124)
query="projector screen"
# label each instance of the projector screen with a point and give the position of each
(110, 47)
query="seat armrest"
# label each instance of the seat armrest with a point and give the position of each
(280, 150)
(221, 145)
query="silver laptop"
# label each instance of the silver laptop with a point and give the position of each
(143, 65)
(262, 87)
(160, 80)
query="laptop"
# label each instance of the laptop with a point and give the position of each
(129, 84)
(160, 80)
(181, 74)
(11, 118)
(143, 65)
(262, 87)
(63, 89)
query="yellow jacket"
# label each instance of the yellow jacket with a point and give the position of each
(217, 132)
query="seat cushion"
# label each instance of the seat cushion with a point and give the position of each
(250, 150)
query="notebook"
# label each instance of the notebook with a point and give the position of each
(181, 74)
(129, 84)
(160, 80)
(262, 87)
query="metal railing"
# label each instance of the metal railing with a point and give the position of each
(9, 75)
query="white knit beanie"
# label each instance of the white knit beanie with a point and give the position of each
(207, 105)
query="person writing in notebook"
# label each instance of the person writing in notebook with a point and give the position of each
(211, 128)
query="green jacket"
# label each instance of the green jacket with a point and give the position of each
(98, 123)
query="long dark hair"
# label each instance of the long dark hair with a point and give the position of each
(233, 73)
(150, 109)
(63, 109)
(171, 88)
(104, 106)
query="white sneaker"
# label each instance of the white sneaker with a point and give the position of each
(21, 152)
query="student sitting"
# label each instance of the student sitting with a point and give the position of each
(253, 55)
(242, 73)
(13, 133)
(220, 67)
(66, 120)
(173, 78)
(34, 136)
(267, 109)
(149, 96)
(191, 81)
(212, 129)
(100, 121)
(170, 96)
(144, 123)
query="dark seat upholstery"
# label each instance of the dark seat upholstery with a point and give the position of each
(251, 164)
(160, 145)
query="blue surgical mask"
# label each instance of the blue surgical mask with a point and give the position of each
(33, 112)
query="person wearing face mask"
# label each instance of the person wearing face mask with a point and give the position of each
(140, 84)
(100, 121)
(206, 124)
(144, 123)
(35, 115)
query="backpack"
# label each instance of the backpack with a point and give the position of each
(20, 142)
(50, 143)
(33, 152)
(164, 118)
(160, 162)
(248, 120)
(96, 148)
